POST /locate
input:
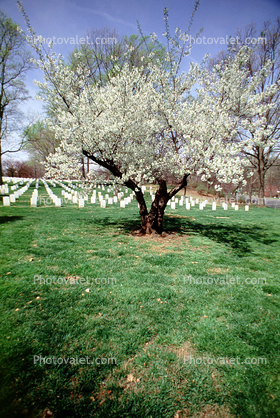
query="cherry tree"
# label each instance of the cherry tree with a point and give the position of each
(144, 124)
(265, 47)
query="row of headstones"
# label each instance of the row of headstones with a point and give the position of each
(171, 202)
(123, 202)
(7, 200)
(15, 187)
(56, 200)
(34, 197)
(103, 200)
(65, 192)
(15, 180)
(4, 188)
(192, 202)
(71, 194)
(74, 197)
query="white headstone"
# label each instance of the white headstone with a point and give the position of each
(214, 206)
(188, 205)
(33, 202)
(246, 207)
(81, 203)
(173, 205)
(6, 201)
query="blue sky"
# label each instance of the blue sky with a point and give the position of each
(72, 18)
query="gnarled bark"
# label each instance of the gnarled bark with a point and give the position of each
(152, 221)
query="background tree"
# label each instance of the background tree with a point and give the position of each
(16, 168)
(39, 143)
(104, 60)
(14, 63)
(265, 47)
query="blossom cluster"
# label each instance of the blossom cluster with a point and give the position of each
(144, 124)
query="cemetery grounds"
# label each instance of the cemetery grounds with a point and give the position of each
(98, 321)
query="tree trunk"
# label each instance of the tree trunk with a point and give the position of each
(250, 188)
(261, 175)
(152, 222)
(154, 219)
(250, 192)
(1, 172)
(83, 168)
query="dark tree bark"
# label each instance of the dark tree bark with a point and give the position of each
(250, 190)
(1, 168)
(83, 168)
(261, 173)
(152, 221)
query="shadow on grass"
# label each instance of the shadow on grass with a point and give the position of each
(6, 219)
(116, 225)
(237, 237)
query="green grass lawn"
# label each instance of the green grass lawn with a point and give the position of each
(169, 345)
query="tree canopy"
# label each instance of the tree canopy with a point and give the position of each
(14, 63)
(141, 125)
